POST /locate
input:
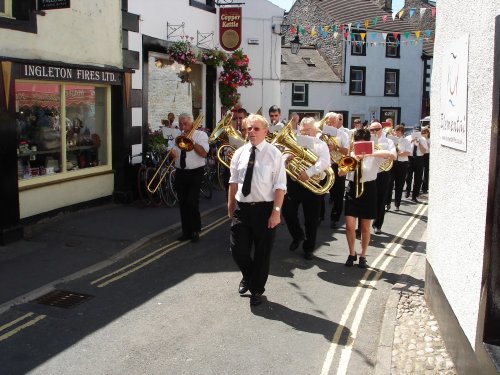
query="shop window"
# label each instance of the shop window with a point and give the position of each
(358, 45)
(391, 82)
(357, 80)
(61, 128)
(300, 93)
(392, 46)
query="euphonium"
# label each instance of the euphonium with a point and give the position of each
(219, 129)
(387, 164)
(302, 159)
(336, 155)
(223, 132)
(185, 143)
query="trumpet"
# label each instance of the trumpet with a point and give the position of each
(350, 164)
(185, 143)
(335, 155)
(301, 160)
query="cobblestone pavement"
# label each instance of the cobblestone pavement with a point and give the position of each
(418, 347)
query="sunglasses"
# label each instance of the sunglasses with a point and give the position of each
(249, 128)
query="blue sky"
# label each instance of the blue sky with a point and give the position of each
(287, 4)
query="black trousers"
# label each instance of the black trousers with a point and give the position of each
(425, 181)
(415, 171)
(383, 179)
(337, 194)
(187, 186)
(249, 230)
(311, 206)
(399, 170)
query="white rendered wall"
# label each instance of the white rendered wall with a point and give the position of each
(88, 33)
(459, 180)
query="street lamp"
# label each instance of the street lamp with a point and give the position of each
(295, 43)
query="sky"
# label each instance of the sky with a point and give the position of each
(287, 4)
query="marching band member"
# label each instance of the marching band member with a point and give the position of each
(338, 188)
(257, 187)
(275, 118)
(297, 194)
(188, 175)
(416, 166)
(295, 122)
(426, 133)
(383, 177)
(363, 207)
(400, 166)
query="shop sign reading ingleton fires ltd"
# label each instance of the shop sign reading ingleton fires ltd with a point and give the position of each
(230, 28)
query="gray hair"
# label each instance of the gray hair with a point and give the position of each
(186, 115)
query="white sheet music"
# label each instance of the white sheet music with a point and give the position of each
(330, 130)
(306, 141)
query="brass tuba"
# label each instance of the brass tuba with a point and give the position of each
(223, 132)
(387, 164)
(185, 143)
(302, 159)
(336, 155)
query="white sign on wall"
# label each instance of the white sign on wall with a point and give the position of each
(453, 121)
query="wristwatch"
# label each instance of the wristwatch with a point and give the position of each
(277, 209)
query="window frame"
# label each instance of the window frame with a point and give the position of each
(356, 37)
(300, 103)
(7, 13)
(389, 44)
(9, 21)
(363, 82)
(396, 83)
(209, 5)
(63, 149)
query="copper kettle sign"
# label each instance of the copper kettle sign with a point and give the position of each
(230, 28)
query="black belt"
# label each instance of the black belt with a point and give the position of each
(189, 170)
(246, 204)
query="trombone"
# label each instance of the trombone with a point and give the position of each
(185, 143)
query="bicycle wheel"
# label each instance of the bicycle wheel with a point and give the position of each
(168, 194)
(206, 186)
(141, 186)
(156, 196)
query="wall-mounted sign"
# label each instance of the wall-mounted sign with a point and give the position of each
(61, 73)
(53, 4)
(453, 119)
(230, 28)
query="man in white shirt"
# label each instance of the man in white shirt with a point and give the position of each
(190, 166)
(257, 187)
(400, 167)
(275, 118)
(416, 167)
(297, 194)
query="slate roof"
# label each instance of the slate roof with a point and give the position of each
(296, 69)
(352, 11)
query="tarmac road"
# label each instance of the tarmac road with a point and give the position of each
(173, 308)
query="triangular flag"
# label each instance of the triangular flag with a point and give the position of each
(341, 28)
(384, 18)
(433, 12)
(308, 28)
(367, 23)
(405, 42)
(302, 31)
(335, 34)
(358, 25)
(293, 30)
(363, 35)
(428, 33)
(400, 14)
(422, 11)
(349, 27)
(313, 31)
(394, 16)
(384, 36)
(407, 34)
(374, 36)
(395, 35)
(374, 21)
(346, 35)
(417, 34)
(412, 12)
(326, 28)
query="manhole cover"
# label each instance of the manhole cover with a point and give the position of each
(62, 299)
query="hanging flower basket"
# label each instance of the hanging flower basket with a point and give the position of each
(235, 74)
(213, 57)
(182, 52)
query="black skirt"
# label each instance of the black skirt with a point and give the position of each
(365, 206)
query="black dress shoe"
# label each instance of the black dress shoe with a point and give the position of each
(414, 200)
(256, 299)
(350, 260)
(243, 287)
(308, 255)
(407, 195)
(362, 262)
(195, 237)
(184, 237)
(388, 207)
(295, 245)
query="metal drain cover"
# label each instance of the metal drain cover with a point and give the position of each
(62, 299)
